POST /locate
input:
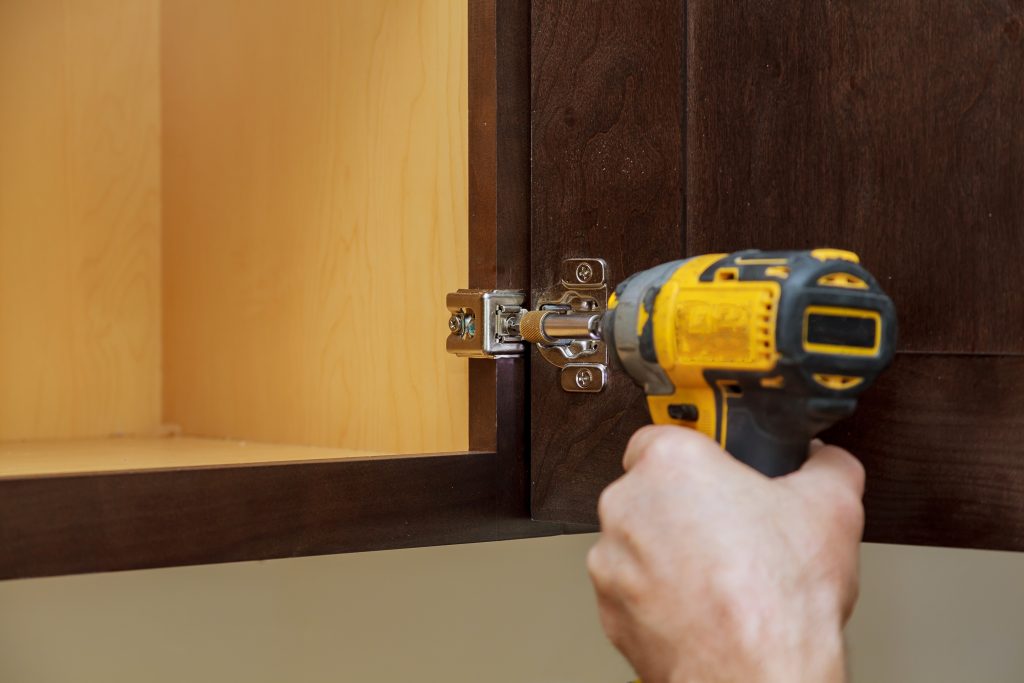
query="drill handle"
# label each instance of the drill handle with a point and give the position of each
(768, 453)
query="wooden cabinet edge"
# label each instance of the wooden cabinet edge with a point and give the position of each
(80, 523)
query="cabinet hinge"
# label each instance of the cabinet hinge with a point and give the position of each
(564, 324)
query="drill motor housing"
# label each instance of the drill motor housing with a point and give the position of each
(760, 350)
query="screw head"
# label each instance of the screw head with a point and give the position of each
(584, 378)
(584, 272)
(455, 324)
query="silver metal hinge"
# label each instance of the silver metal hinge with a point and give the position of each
(485, 323)
(564, 324)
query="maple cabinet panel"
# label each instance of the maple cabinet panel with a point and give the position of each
(314, 216)
(79, 219)
(233, 222)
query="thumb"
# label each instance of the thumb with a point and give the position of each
(829, 467)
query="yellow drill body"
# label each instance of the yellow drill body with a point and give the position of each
(758, 350)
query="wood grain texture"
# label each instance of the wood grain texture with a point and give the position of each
(499, 147)
(227, 503)
(499, 226)
(132, 520)
(67, 456)
(889, 128)
(79, 218)
(314, 218)
(940, 437)
(607, 182)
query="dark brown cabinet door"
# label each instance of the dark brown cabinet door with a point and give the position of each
(669, 128)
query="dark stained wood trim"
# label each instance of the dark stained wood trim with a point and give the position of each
(499, 144)
(499, 223)
(157, 518)
(940, 438)
(499, 196)
(68, 524)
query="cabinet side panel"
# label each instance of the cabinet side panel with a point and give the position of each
(315, 215)
(79, 218)
(889, 128)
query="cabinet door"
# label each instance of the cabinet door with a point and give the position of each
(668, 128)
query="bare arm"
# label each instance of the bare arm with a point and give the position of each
(708, 571)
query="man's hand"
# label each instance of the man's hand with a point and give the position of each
(709, 571)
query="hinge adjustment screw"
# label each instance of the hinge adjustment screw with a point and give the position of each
(461, 324)
(584, 378)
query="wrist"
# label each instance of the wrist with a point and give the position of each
(810, 652)
(810, 656)
(791, 643)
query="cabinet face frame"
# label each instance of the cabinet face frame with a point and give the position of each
(132, 519)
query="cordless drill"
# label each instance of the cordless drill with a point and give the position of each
(760, 350)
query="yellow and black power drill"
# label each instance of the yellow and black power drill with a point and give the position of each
(760, 350)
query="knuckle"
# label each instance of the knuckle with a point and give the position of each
(850, 467)
(664, 452)
(653, 443)
(858, 474)
(602, 573)
(629, 587)
(848, 512)
(607, 504)
(595, 566)
(644, 434)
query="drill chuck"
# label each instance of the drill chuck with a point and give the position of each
(554, 326)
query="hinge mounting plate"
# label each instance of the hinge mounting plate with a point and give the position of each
(486, 324)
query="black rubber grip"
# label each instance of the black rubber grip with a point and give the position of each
(770, 455)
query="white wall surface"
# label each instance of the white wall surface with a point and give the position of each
(519, 611)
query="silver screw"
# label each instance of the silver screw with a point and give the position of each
(584, 272)
(455, 324)
(584, 378)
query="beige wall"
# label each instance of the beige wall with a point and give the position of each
(934, 615)
(518, 611)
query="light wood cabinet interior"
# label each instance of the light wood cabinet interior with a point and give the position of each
(228, 222)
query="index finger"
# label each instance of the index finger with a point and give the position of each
(667, 438)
